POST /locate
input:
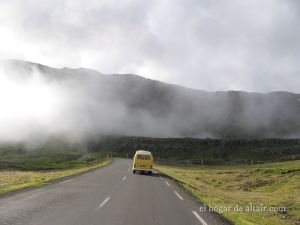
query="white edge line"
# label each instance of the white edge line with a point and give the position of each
(103, 203)
(124, 178)
(201, 220)
(178, 195)
(66, 181)
(167, 183)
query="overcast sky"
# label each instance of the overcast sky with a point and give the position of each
(251, 45)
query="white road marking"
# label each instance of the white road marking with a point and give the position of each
(86, 174)
(124, 178)
(201, 220)
(103, 203)
(66, 181)
(178, 195)
(167, 183)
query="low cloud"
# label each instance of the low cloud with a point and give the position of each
(38, 102)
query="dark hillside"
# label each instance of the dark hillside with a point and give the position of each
(210, 150)
(130, 105)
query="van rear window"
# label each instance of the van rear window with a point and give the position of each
(143, 157)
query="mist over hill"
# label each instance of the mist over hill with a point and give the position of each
(39, 101)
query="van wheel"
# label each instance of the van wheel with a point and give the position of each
(133, 171)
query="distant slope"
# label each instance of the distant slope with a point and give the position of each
(211, 151)
(132, 105)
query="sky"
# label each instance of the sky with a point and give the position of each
(249, 45)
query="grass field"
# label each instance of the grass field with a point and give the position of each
(46, 158)
(265, 194)
(14, 180)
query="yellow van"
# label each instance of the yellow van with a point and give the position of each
(142, 161)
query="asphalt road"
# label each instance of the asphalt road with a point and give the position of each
(108, 196)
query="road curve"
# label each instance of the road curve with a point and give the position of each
(108, 196)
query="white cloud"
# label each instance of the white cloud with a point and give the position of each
(210, 45)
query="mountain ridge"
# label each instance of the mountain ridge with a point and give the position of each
(85, 70)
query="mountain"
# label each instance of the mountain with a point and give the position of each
(125, 104)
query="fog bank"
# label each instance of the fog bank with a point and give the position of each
(38, 102)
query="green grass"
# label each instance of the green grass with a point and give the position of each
(22, 168)
(46, 158)
(271, 185)
(11, 180)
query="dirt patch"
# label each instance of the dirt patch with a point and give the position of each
(247, 186)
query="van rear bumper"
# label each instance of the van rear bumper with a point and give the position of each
(142, 169)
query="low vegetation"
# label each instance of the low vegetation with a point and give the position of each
(14, 180)
(274, 188)
(22, 167)
(47, 157)
(210, 151)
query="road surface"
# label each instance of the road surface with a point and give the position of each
(108, 196)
